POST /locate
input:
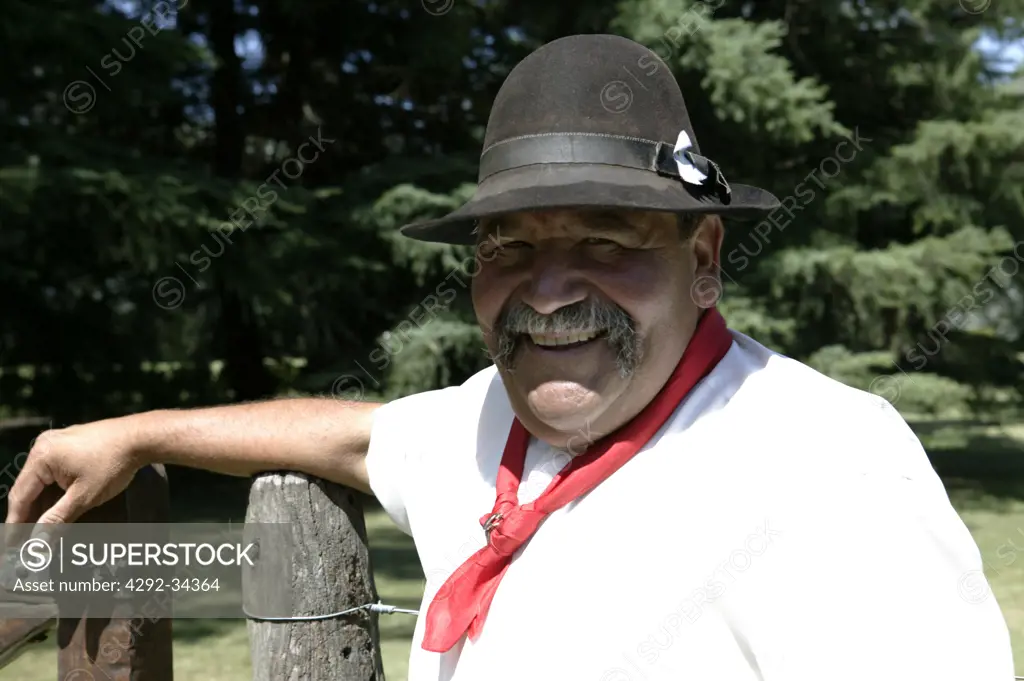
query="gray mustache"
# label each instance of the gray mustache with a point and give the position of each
(587, 316)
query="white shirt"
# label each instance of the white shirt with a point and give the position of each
(780, 527)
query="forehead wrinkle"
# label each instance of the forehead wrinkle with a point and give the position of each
(543, 225)
(645, 228)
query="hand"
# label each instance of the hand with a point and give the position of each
(92, 463)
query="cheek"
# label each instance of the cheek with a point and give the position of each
(648, 289)
(489, 294)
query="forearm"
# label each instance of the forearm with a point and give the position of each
(327, 438)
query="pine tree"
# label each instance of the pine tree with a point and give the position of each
(897, 147)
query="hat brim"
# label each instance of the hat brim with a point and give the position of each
(543, 187)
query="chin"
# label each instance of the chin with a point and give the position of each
(566, 406)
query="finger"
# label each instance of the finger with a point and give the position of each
(68, 508)
(29, 485)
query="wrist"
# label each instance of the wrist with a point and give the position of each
(145, 432)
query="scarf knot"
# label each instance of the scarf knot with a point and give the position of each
(512, 528)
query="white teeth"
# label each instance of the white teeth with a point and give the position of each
(550, 340)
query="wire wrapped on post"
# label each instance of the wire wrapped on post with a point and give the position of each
(377, 607)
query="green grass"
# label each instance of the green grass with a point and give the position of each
(996, 534)
(982, 465)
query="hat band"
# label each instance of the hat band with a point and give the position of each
(593, 148)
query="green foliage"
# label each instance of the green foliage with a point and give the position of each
(405, 204)
(916, 394)
(443, 352)
(140, 230)
(884, 297)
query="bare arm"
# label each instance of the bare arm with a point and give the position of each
(327, 438)
(94, 462)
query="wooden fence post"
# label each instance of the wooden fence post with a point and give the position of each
(17, 634)
(105, 649)
(329, 571)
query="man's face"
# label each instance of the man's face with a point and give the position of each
(587, 313)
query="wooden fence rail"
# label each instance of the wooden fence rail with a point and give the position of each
(330, 571)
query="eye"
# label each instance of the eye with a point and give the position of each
(508, 246)
(492, 249)
(596, 241)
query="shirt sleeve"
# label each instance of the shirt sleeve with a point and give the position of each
(880, 579)
(401, 431)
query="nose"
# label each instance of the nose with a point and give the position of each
(554, 282)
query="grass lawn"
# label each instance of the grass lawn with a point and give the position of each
(983, 467)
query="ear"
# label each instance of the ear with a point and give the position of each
(706, 247)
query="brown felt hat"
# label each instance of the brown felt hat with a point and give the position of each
(592, 121)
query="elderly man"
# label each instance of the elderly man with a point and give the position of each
(632, 491)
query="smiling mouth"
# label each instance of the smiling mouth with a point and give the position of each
(563, 341)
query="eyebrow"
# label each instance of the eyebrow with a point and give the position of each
(486, 227)
(602, 222)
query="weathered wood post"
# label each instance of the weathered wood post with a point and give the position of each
(105, 649)
(17, 634)
(329, 571)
